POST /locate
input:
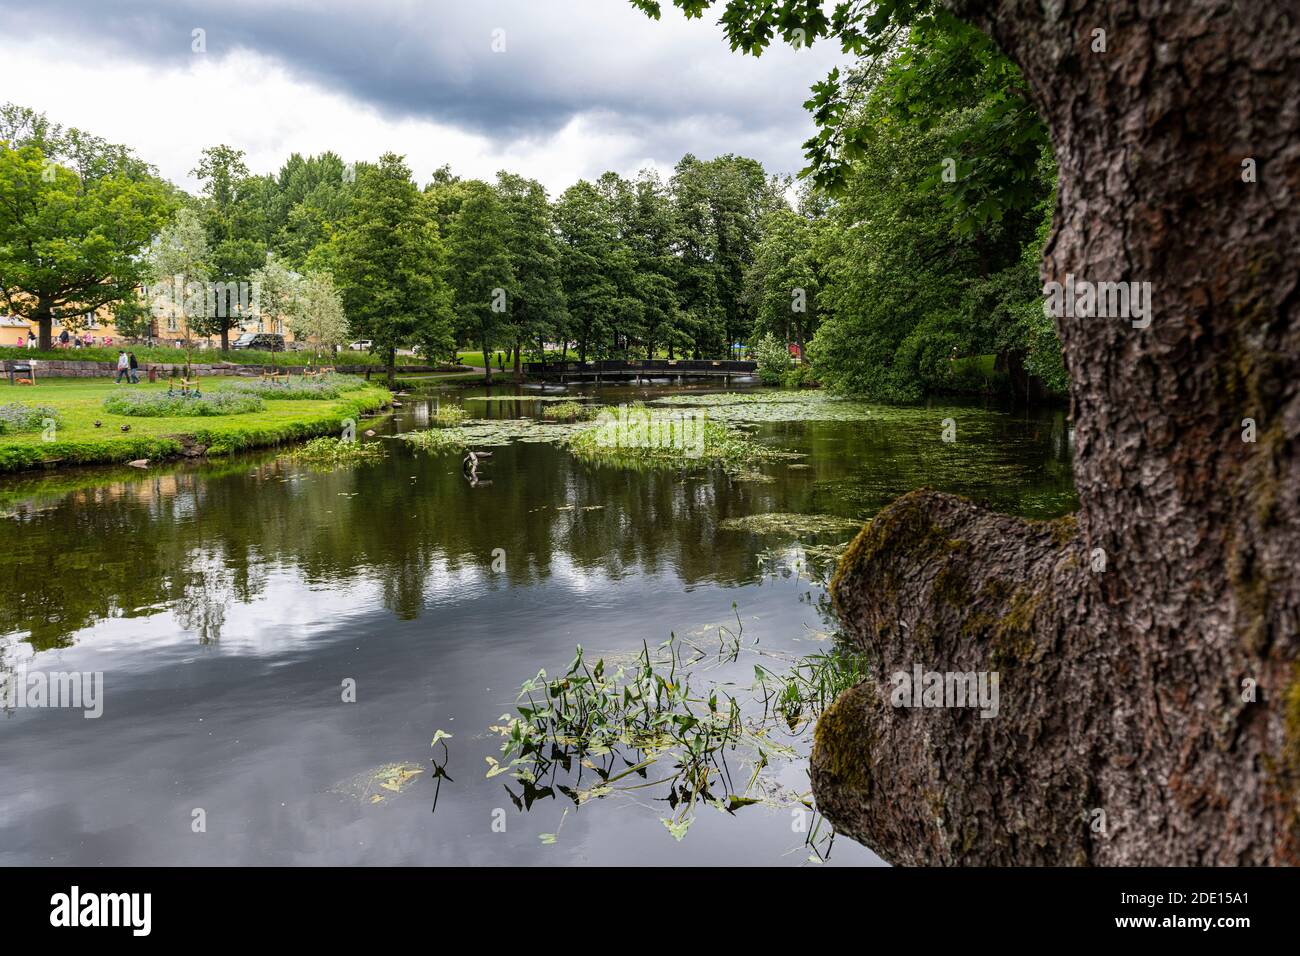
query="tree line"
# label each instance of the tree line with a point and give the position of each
(891, 271)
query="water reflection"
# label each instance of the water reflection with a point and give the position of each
(226, 601)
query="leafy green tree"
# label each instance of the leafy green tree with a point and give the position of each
(920, 279)
(304, 204)
(318, 316)
(177, 268)
(132, 317)
(587, 252)
(389, 263)
(538, 310)
(722, 203)
(773, 358)
(480, 268)
(75, 215)
(276, 287)
(651, 237)
(783, 281)
(232, 212)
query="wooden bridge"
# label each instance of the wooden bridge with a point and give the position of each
(638, 371)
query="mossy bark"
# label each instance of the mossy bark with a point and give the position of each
(1158, 695)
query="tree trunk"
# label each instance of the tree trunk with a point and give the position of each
(44, 327)
(225, 338)
(519, 372)
(1149, 712)
(487, 359)
(390, 364)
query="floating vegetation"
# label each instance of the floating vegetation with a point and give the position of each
(435, 439)
(757, 477)
(489, 433)
(602, 728)
(337, 451)
(780, 406)
(448, 415)
(615, 726)
(374, 786)
(523, 398)
(815, 563)
(157, 404)
(567, 410)
(508, 430)
(637, 436)
(791, 524)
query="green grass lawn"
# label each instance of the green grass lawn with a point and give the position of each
(79, 403)
(475, 358)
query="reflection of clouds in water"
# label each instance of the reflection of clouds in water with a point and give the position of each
(571, 577)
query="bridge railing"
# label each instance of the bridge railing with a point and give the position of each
(644, 366)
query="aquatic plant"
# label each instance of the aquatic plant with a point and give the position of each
(613, 722)
(158, 404)
(448, 415)
(637, 436)
(810, 686)
(791, 524)
(435, 439)
(337, 451)
(567, 410)
(790, 406)
(485, 433)
(522, 398)
(616, 725)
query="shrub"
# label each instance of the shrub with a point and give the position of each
(773, 359)
(162, 405)
(18, 417)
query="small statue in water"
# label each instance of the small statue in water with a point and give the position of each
(470, 467)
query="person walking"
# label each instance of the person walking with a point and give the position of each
(63, 339)
(31, 339)
(134, 367)
(123, 368)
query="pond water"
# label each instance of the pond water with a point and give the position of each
(229, 604)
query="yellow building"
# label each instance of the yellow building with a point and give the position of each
(98, 329)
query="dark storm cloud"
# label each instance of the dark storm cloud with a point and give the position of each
(672, 83)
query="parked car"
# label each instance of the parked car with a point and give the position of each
(260, 342)
(362, 346)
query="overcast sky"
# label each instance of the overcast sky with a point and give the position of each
(581, 86)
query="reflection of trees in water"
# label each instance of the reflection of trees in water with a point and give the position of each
(207, 586)
(198, 539)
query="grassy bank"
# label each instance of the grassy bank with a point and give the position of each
(79, 404)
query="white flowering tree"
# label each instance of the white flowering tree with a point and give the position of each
(318, 313)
